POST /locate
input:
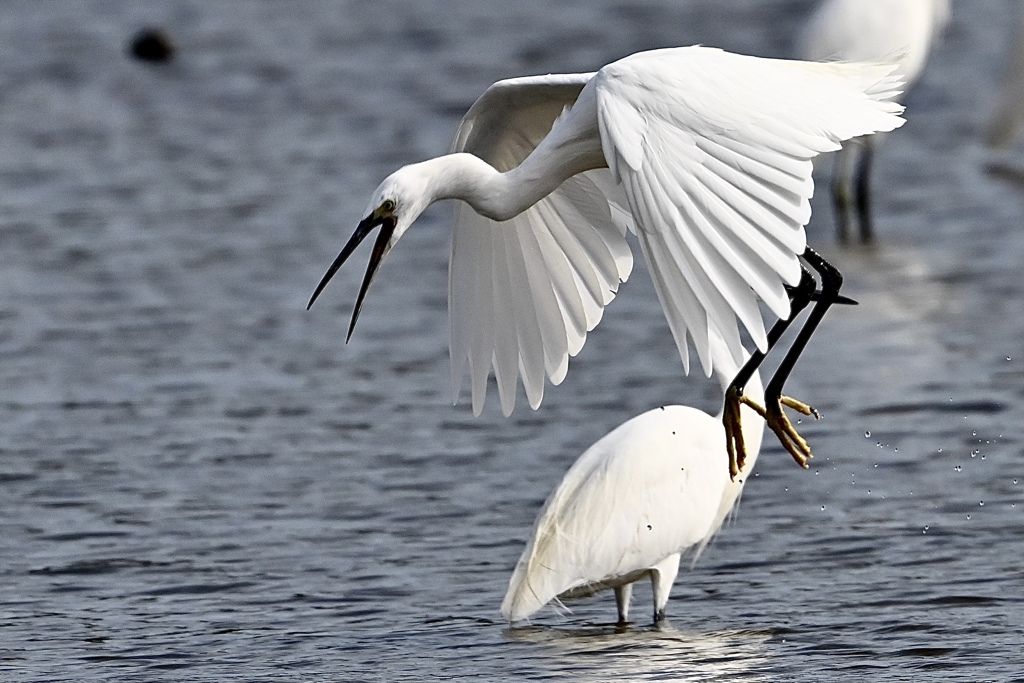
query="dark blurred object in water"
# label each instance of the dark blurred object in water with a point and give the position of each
(152, 45)
(1008, 115)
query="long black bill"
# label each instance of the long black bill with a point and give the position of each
(387, 228)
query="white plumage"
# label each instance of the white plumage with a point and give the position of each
(875, 30)
(900, 31)
(630, 507)
(704, 154)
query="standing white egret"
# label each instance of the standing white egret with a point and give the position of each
(703, 154)
(869, 30)
(630, 506)
(646, 493)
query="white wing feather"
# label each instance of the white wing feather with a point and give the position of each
(714, 153)
(523, 293)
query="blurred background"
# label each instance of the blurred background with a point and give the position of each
(200, 481)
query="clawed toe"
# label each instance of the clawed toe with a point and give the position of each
(777, 421)
(733, 433)
(800, 406)
(791, 440)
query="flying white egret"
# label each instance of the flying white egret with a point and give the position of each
(869, 30)
(703, 154)
(646, 493)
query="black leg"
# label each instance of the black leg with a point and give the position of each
(831, 281)
(841, 202)
(799, 297)
(863, 180)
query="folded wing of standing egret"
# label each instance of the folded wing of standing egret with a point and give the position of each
(714, 156)
(524, 292)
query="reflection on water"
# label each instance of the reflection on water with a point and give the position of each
(661, 653)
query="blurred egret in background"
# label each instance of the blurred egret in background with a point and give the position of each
(705, 155)
(1008, 114)
(869, 30)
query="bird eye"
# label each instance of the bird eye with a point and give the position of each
(388, 205)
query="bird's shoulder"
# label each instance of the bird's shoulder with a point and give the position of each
(634, 449)
(526, 105)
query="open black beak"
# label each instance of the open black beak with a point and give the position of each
(387, 228)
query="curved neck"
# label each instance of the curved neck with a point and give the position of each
(572, 146)
(498, 196)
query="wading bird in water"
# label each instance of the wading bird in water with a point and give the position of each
(652, 489)
(704, 155)
(869, 30)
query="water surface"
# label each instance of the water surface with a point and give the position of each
(200, 482)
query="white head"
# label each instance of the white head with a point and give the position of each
(394, 206)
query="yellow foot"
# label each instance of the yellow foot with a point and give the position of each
(777, 421)
(734, 443)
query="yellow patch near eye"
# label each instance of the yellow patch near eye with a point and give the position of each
(385, 210)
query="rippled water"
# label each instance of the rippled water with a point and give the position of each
(199, 481)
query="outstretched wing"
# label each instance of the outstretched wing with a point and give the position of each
(714, 153)
(523, 293)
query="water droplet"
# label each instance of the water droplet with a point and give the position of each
(981, 504)
(940, 450)
(1008, 358)
(869, 492)
(958, 468)
(867, 434)
(896, 450)
(974, 453)
(968, 516)
(982, 456)
(1014, 481)
(925, 530)
(822, 507)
